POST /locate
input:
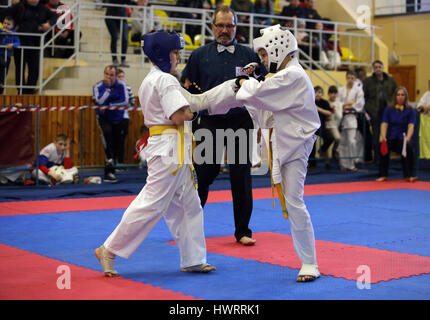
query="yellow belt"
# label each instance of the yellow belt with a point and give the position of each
(180, 131)
(278, 185)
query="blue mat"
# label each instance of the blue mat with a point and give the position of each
(396, 220)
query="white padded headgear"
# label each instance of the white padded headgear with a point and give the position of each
(278, 42)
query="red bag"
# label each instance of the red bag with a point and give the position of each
(384, 147)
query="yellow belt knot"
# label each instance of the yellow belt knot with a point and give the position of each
(181, 131)
(278, 185)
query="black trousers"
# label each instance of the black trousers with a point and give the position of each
(4, 68)
(408, 162)
(114, 134)
(240, 167)
(30, 58)
(114, 28)
(376, 128)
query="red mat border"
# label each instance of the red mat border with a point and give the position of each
(30, 276)
(122, 202)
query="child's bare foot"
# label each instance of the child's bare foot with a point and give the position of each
(247, 241)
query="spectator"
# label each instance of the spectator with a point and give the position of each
(311, 13)
(352, 99)
(131, 102)
(141, 22)
(378, 90)
(10, 40)
(111, 92)
(30, 16)
(332, 126)
(209, 66)
(397, 129)
(361, 76)
(424, 103)
(67, 34)
(118, 26)
(365, 145)
(219, 3)
(262, 7)
(55, 165)
(190, 29)
(324, 112)
(312, 49)
(292, 10)
(245, 6)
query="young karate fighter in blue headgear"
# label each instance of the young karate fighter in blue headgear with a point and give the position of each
(170, 191)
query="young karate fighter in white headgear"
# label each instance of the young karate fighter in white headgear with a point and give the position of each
(286, 102)
(169, 191)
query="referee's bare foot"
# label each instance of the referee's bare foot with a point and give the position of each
(247, 241)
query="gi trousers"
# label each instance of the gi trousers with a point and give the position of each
(164, 195)
(293, 180)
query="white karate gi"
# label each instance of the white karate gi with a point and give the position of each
(425, 100)
(164, 194)
(289, 95)
(286, 102)
(350, 136)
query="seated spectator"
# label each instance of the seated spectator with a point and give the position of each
(55, 165)
(424, 103)
(352, 99)
(67, 34)
(10, 40)
(191, 30)
(397, 129)
(292, 10)
(304, 43)
(311, 13)
(262, 7)
(141, 23)
(246, 6)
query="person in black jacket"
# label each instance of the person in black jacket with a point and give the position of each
(31, 16)
(117, 25)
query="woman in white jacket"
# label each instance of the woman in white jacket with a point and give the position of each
(352, 99)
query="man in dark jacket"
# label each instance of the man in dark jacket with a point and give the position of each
(31, 16)
(378, 92)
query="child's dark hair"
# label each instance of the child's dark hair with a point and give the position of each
(352, 73)
(332, 89)
(61, 136)
(318, 88)
(9, 18)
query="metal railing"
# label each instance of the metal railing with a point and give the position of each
(401, 7)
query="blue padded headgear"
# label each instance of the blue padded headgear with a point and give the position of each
(158, 45)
